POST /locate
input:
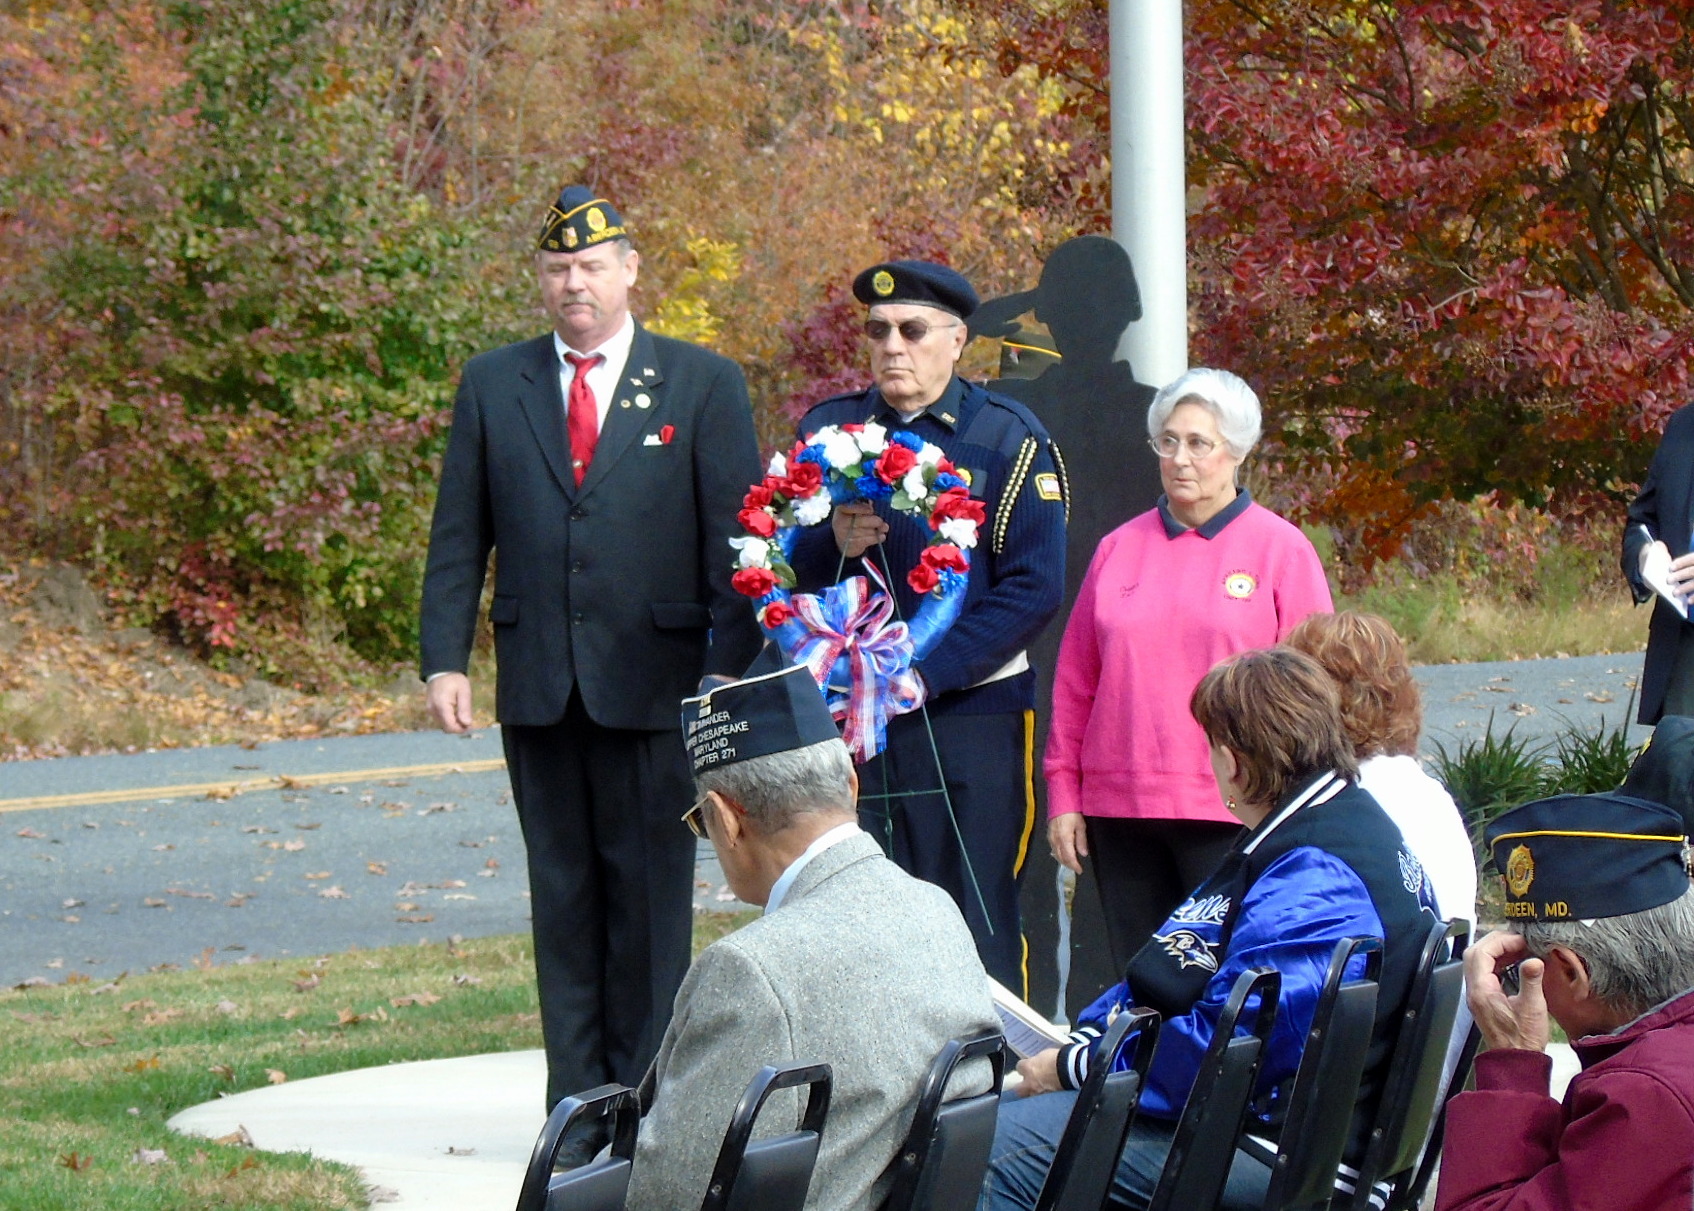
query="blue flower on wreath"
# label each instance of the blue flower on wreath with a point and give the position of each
(951, 581)
(947, 480)
(812, 454)
(872, 488)
(911, 441)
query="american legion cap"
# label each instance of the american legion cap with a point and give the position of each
(580, 220)
(755, 717)
(1578, 857)
(1664, 772)
(922, 282)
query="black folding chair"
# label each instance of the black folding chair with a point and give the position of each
(940, 1165)
(1409, 1197)
(1319, 1118)
(599, 1185)
(1204, 1144)
(1087, 1157)
(1412, 1088)
(770, 1174)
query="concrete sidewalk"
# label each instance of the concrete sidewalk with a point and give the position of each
(442, 1135)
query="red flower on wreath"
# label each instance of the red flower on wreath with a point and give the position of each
(896, 460)
(923, 578)
(757, 521)
(944, 556)
(956, 502)
(754, 582)
(804, 479)
(758, 496)
(775, 614)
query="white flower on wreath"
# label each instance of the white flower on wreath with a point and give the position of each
(841, 449)
(779, 466)
(960, 531)
(873, 439)
(812, 509)
(755, 551)
(912, 484)
(930, 455)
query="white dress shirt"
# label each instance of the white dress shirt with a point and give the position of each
(603, 378)
(834, 836)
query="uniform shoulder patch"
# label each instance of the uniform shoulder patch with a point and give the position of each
(1047, 486)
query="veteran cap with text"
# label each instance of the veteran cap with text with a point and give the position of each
(755, 717)
(580, 220)
(922, 282)
(1578, 857)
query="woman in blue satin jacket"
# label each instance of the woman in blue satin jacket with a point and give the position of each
(1318, 861)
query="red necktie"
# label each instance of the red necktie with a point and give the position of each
(583, 418)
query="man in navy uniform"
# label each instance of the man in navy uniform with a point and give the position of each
(606, 465)
(975, 738)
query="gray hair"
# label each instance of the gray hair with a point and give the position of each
(775, 789)
(1224, 395)
(1635, 961)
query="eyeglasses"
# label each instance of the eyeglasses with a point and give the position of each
(912, 332)
(1167, 444)
(695, 817)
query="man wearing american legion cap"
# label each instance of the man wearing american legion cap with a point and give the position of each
(976, 735)
(854, 963)
(1600, 926)
(605, 465)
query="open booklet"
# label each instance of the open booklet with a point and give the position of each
(1655, 573)
(1027, 1032)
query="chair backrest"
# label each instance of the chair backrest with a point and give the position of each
(941, 1163)
(1412, 1088)
(1408, 1196)
(599, 1185)
(1319, 1117)
(1204, 1143)
(771, 1174)
(1087, 1156)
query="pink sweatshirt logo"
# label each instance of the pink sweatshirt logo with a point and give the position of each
(1240, 585)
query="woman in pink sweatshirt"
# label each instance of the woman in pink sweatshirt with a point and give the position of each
(1204, 574)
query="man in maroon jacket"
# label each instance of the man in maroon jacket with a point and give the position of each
(1601, 934)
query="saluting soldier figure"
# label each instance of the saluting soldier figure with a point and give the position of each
(952, 794)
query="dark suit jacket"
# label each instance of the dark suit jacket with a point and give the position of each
(610, 588)
(1662, 511)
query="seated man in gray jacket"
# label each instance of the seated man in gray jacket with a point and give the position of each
(855, 963)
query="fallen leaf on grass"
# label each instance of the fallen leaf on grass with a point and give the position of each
(333, 893)
(132, 1006)
(417, 919)
(228, 1074)
(204, 961)
(227, 1006)
(348, 1018)
(288, 1015)
(148, 1064)
(246, 1163)
(276, 1076)
(160, 1017)
(149, 1156)
(76, 977)
(462, 980)
(104, 988)
(76, 1162)
(416, 998)
(309, 983)
(239, 1138)
(104, 1040)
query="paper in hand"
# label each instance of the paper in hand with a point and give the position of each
(1655, 573)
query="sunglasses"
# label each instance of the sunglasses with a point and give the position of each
(695, 817)
(912, 332)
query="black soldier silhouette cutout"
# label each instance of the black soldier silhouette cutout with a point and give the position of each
(1096, 411)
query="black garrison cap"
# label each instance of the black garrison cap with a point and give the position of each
(1577, 857)
(1664, 772)
(755, 717)
(580, 220)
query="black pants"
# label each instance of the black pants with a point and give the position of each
(1145, 868)
(987, 762)
(611, 877)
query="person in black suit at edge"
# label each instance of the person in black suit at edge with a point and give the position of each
(605, 464)
(1658, 526)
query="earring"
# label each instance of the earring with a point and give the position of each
(1229, 802)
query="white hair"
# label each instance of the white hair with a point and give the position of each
(779, 787)
(1224, 395)
(1635, 961)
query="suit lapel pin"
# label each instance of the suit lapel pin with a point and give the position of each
(623, 403)
(649, 372)
(644, 400)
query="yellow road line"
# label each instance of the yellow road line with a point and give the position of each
(228, 790)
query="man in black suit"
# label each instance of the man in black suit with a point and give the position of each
(606, 465)
(1658, 529)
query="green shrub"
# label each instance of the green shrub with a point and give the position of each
(1589, 760)
(1491, 774)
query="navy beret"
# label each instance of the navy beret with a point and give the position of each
(921, 282)
(755, 717)
(580, 220)
(1578, 857)
(1664, 772)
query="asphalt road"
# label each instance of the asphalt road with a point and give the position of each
(126, 863)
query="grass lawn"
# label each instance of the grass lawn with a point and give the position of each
(90, 1073)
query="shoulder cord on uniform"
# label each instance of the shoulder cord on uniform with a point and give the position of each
(1009, 495)
(1064, 479)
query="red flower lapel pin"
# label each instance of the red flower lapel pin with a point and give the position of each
(666, 432)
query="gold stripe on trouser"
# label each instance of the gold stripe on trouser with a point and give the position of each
(1028, 829)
